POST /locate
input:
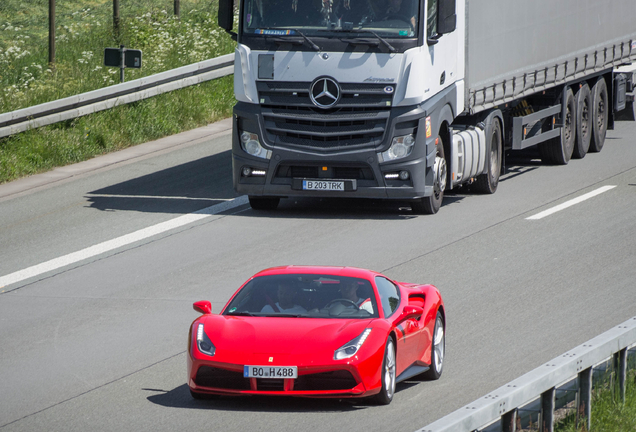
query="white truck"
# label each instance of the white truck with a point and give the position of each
(406, 99)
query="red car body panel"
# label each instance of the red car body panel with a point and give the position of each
(310, 344)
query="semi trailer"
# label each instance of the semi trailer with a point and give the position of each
(407, 99)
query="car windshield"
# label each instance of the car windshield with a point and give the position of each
(329, 18)
(305, 295)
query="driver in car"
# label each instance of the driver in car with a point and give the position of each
(285, 304)
(349, 291)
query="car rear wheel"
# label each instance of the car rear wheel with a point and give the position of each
(438, 348)
(388, 374)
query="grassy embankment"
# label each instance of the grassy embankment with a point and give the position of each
(609, 414)
(84, 29)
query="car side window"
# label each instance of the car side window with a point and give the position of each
(389, 295)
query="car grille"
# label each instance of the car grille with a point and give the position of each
(231, 380)
(336, 380)
(358, 120)
(221, 378)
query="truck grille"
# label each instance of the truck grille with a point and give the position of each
(358, 120)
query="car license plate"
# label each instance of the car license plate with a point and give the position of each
(323, 185)
(270, 372)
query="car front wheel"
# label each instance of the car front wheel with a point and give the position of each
(388, 374)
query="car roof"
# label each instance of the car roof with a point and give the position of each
(326, 270)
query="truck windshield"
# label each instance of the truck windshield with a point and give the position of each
(330, 18)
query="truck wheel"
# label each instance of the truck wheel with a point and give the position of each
(583, 122)
(558, 151)
(488, 181)
(599, 115)
(430, 205)
(264, 203)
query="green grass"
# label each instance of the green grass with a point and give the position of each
(609, 414)
(84, 29)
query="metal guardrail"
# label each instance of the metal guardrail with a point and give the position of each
(541, 390)
(115, 95)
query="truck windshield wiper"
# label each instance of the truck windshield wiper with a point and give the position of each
(380, 38)
(309, 41)
(286, 39)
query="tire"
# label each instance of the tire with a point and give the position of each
(264, 203)
(600, 115)
(388, 374)
(558, 151)
(438, 349)
(431, 204)
(583, 102)
(487, 182)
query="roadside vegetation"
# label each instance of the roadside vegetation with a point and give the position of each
(609, 413)
(83, 30)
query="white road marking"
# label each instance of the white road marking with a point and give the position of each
(157, 197)
(118, 242)
(570, 203)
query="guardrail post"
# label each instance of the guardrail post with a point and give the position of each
(509, 421)
(585, 396)
(620, 365)
(547, 410)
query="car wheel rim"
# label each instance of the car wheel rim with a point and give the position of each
(438, 345)
(389, 370)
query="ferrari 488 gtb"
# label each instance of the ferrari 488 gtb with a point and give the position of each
(317, 332)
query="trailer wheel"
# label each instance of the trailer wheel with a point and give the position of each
(600, 115)
(583, 122)
(558, 151)
(487, 182)
(264, 203)
(431, 204)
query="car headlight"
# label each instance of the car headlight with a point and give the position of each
(203, 342)
(401, 147)
(351, 348)
(251, 145)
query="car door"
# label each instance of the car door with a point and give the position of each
(407, 330)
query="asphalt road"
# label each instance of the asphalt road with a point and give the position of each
(99, 343)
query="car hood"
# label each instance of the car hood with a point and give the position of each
(268, 340)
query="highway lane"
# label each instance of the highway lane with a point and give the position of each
(101, 346)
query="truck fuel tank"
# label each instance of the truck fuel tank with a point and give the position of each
(468, 154)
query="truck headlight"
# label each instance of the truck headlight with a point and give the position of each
(401, 147)
(351, 348)
(251, 145)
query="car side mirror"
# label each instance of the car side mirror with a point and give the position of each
(203, 306)
(412, 312)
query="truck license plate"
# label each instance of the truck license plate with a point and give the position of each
(323, 185)
(270, 372)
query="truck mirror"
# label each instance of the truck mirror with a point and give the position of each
(446, 19)
(226, 14)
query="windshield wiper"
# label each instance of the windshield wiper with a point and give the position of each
(380, 38)
(384, 41)
(241, 314)
(309, 41)
(287, 40)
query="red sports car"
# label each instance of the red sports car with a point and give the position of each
(317, 332)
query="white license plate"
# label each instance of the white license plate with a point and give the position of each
(270, 372)
(323, 185)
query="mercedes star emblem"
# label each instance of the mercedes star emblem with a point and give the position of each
(324, 92)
